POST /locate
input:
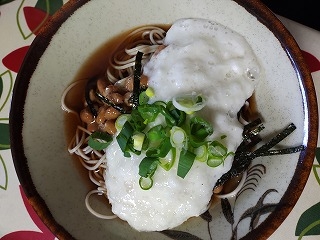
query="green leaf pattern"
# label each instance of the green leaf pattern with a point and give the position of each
(51, 7)
(19, 18)
(6, 84)
(4, 137)
(309, 221)
(3, 175)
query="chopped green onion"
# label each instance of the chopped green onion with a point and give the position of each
(178, 115)
(167, 162)
(121, 120)
(149, 92)
(165, 147)
(214, 162)
(189, 103)
(130, 147)
(200, 128)
(146, 182)
(122, 141)
(217, 153)
(149, 112)
(99, 140)
(217, 150)
(199, 131)
(148, 166)
(137, 121)
(123, 138)
(169, 136)
(186, 160)
(169, 119)
(156, 134)
(201, 153)
(196, 142)
(160, 150)
(138, 140)
(143, 98)
(178, 137)
(153, 152)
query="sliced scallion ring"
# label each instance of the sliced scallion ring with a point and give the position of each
(121, 121)
(189, 103)
(201, 153)
(217, 150)
(178, 137)
(167, 162)
(146, 182)
(214, 162)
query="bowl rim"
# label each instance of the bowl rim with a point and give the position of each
(257, 9)
(306, 158)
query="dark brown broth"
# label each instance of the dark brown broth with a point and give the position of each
(95, 65)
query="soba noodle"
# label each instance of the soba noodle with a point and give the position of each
(146, 40)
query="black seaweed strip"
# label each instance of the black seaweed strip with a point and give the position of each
(243, 159)
(278, 138)
(107, 101)
(136, 79)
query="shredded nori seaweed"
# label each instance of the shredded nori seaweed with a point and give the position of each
(112, 104)
(244, 154)
(136, 80)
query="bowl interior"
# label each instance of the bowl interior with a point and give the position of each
(284, 95)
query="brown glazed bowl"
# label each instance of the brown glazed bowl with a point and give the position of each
(56, 186)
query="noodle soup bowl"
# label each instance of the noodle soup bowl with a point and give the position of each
(57, 185)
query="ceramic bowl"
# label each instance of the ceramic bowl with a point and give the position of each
(56, 187)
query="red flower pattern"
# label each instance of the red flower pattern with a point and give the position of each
(43, 234)
(35, 18)
(312, 62)
(14, 60)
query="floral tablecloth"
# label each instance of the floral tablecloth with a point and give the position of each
(20, 21)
